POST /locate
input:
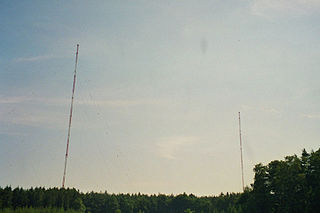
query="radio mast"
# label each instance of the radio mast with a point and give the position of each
(70, 118)
(241, 158)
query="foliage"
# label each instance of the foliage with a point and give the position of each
(290, 185)
(37, 210)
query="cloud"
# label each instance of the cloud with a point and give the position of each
(64, 101)
(123, 102)
(34, 58)
(51, 120)
(32, 100)
(30, 111)
(12, 133)
(276, 8)
(311, 115)
(32, 116)
(169, 147)
(261, 109)
(34, 111)
(12, 100)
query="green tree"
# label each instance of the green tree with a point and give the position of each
(261, 189)
(78, 205)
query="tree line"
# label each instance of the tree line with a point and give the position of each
(289, 185)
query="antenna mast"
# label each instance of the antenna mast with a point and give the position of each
(241, 153)
(70, 118)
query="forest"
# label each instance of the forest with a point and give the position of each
(288, 185)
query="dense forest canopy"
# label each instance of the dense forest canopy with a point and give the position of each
(289, 185)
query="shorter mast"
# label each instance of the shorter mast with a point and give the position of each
(241, 158)
(70, 118)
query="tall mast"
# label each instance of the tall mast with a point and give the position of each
(70, 118)
(241, 158)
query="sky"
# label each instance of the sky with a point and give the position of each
(159, 87)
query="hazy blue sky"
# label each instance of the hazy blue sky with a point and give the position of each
(159, 87)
